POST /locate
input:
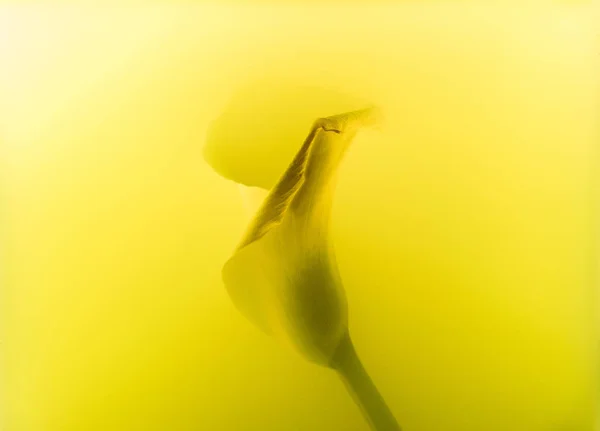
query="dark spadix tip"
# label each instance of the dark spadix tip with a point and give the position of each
(253, 141)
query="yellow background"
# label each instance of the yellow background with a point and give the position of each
(464, 229)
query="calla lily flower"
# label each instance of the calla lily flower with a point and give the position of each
(283, 275)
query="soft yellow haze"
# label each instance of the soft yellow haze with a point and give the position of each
(464, 230)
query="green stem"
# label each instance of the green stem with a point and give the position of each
(364, 392)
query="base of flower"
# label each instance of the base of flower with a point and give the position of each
(362, 389)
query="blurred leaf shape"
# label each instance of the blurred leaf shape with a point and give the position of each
(257, 135)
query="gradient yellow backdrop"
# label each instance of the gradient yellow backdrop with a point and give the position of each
(464, 230)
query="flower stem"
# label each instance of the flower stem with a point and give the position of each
(362, 389)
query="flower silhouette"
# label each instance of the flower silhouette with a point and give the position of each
(283, 275)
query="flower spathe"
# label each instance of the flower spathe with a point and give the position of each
(283, 275)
